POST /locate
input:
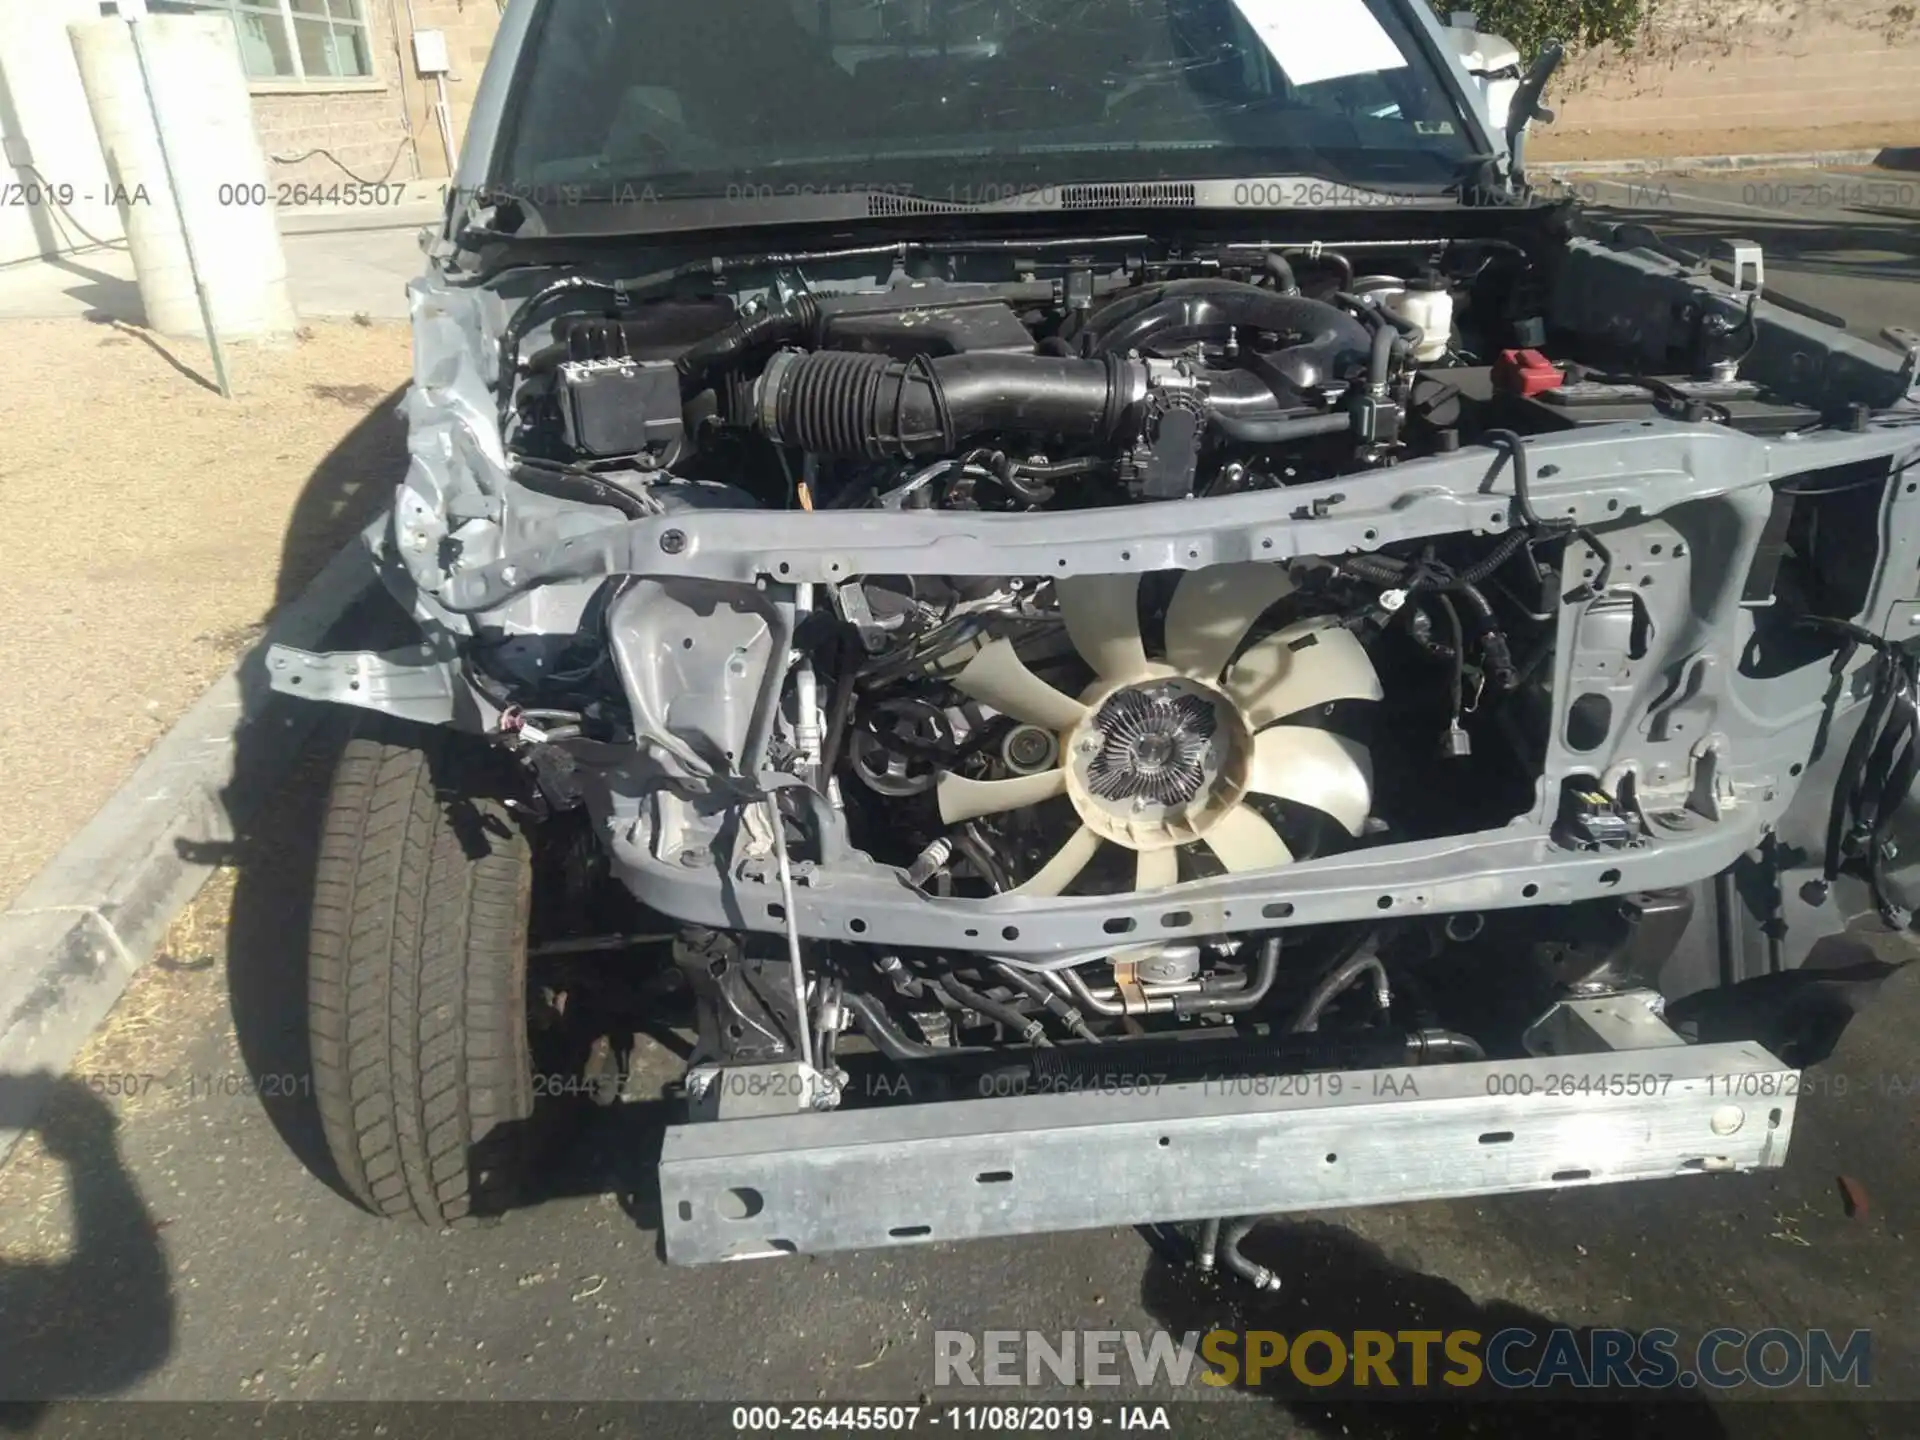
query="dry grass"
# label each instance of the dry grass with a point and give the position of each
(153, 526)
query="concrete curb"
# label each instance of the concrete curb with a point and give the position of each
(344, 221)
(96, 912)
(1660, 165)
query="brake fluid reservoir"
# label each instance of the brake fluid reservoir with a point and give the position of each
(1429, 304)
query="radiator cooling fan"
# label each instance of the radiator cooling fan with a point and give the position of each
(1156, 756)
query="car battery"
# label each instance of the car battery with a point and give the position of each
(1580, 400)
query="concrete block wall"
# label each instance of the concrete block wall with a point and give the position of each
(362, 123)
(1725, 65)
(469, 26)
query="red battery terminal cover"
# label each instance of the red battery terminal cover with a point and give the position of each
(1526, 372)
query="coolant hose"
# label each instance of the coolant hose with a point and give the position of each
(1380, 361)
(1258, 1276)
(889, 1039)
(1004, 1015)
(1282, 273)
(1328, 257)
(1359, 962)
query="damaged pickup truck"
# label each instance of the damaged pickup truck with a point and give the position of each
(1107, 618)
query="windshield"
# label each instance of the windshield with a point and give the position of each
(971, 100)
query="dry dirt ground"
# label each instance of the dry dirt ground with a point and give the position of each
(151, 527)
(1574, 142)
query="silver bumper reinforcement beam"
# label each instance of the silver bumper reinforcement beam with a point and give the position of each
(960, 1170)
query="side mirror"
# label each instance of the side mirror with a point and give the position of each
(1526, 106)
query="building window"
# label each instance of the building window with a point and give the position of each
(311, 40)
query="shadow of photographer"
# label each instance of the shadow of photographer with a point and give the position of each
(95, 1322)
(1339, 1284)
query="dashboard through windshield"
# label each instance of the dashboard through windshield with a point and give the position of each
(971, 101)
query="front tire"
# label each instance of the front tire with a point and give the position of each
(417, 978)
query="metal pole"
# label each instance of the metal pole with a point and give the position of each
(180, 212)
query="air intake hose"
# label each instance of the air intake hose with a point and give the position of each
(797, 324)
(856, 405)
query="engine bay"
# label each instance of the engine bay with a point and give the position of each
(1041, 635)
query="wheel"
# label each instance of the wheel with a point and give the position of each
(417, 1003)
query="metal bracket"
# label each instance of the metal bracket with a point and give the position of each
(414, 683)
(1749, 264)
(739, 1092)
(1908, 342)
(1599, 1024)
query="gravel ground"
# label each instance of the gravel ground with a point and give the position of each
(153, 526)
(1562, 142)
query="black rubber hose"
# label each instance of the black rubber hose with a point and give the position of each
(1279, 429)
(1248, 392)
(517, 324)
(564, 483)
(860, 406)
(1281, 273)
(1359, 959)
(1328, 257)
(1004, 1015)
(1057, 1004)
(797, 324)
(890, 1040)
(1231, 1239)
(1443, 1045)
(1384, 337)
(1011, 477)
(840, 708)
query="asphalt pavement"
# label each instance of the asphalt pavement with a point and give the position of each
(185, 1241)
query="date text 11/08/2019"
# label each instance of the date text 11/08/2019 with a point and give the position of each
(902, 1419)
(197, 1084)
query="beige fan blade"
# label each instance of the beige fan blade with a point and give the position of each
(1157, 869)
(1244, 841)
(1305, 665)
(963, 799)
(997, 676)
(1065, 867)
(1102, 613)
(1213, 609)
(1311, 767)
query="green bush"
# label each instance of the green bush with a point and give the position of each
(1529, 23)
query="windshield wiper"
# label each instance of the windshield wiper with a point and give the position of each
(1293, 190)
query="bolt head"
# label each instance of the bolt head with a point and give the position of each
(672, 542)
